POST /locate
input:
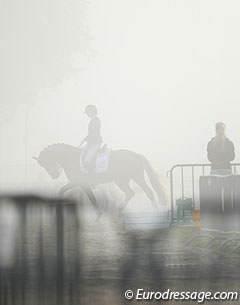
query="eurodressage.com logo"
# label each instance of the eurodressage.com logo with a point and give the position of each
(168, 295)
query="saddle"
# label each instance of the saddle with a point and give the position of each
(101, 161)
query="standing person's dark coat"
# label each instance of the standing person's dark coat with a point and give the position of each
(220, 151)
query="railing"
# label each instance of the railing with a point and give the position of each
(193, 166)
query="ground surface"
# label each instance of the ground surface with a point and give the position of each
(102, 260)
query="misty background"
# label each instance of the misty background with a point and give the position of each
(161, 73)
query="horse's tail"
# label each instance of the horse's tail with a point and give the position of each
(155, 182)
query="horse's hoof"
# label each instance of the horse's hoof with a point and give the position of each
(155, 206)
(120, 212)
(164, 203)
(121, 209)
(98, 219)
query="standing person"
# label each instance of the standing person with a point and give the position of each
(93, 139)
(220, 151)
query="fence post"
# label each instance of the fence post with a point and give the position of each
(60, 254)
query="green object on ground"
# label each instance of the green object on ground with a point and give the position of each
(183, 204)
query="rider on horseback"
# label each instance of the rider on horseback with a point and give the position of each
(93, 139)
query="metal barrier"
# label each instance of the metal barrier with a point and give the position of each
(220, 202)
(193, 166)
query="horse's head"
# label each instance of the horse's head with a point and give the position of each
(51, 167)
(48, 160)
(56, 156)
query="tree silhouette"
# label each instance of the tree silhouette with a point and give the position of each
(39, 39)
(39, 42)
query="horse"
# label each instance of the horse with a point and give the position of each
(123, 166)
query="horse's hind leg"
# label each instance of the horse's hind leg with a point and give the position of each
(143, 185)
(129, 193)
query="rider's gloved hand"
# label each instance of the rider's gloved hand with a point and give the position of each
(81, 144)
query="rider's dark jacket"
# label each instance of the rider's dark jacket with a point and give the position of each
(220, 153)
(94, 132)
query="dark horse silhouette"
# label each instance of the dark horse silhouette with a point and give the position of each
(124, 165)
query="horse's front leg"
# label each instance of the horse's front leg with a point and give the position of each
(93, 200)
(66, 188)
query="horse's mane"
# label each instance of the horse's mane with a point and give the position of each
(57, 148)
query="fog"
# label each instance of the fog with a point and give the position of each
(161, 73)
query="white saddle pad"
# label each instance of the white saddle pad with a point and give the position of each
(101, 162)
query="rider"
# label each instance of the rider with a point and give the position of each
(93, 139)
